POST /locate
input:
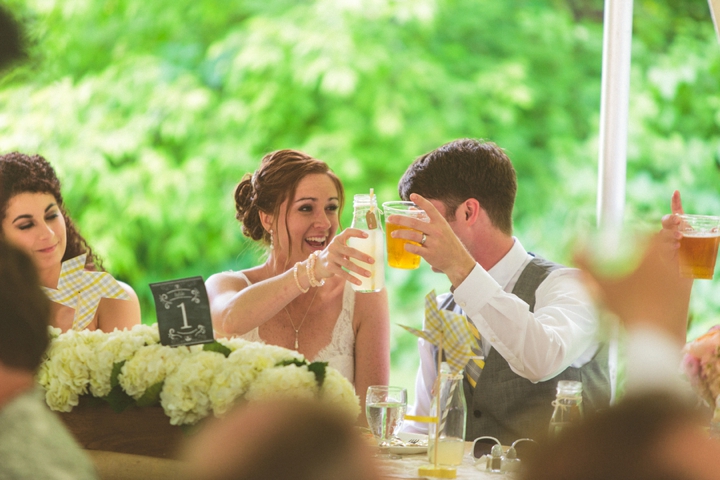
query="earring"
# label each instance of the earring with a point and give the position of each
(272, 246)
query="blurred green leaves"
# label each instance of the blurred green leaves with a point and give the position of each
(152, 111)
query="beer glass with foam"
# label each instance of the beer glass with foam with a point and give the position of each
(699, 245)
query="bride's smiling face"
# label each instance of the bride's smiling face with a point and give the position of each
(312, 217)
(33, 222)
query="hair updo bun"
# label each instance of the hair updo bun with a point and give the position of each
(246, 210)
(274, 182)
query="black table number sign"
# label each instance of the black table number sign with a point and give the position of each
(183, 312)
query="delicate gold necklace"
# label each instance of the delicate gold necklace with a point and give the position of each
(297, 330)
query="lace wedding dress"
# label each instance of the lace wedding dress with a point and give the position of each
(340, 352)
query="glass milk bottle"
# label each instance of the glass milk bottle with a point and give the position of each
(366, 217)
(568, 406)
(453, 415)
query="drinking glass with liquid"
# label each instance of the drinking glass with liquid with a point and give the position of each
(366, 217)
(385, 410)
(698, 245)
(398, 257)
(450, 432)
(568, 406)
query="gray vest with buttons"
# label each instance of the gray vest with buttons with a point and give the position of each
(507, 406)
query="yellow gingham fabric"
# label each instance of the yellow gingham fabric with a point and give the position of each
(82, 290)
(448, 330)
(474, 367)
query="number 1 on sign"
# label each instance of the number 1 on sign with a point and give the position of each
(185, 322)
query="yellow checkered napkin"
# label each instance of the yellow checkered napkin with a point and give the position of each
(82, 290)
(449, 330)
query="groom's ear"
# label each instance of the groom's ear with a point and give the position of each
(469, 211)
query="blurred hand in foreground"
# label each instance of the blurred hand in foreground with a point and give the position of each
(670, 223)
(652, 295)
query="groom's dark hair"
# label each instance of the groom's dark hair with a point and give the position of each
(464, 169)
(24, 311)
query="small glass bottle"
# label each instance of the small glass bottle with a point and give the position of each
(568, 406)
(453, 415)
(366, 217)
(510, 462)
(496, 459)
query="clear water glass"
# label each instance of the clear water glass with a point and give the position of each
(385, 409)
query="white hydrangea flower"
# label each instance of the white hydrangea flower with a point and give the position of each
(53, 332)
(115, 347)
(185, 393)
(290, 381)
(195, 381)
(64, 374)
(230, 383)
(241, 368)
(150, 365)
(149, 333)
(338, 391)
(233, 343)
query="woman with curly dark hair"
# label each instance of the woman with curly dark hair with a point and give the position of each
(33, 218)
(302, 297)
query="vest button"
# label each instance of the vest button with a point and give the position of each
(477, 413)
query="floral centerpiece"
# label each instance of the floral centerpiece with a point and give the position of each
(131, 367)
(701, 364)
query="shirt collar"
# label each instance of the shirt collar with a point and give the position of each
(504, 270)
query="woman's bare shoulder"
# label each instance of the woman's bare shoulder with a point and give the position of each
(234, 279)
(115, 313)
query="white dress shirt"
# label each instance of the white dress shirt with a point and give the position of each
(561, 332)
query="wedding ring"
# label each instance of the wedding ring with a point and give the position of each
(424, 237)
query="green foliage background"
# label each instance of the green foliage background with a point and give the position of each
(151, 112)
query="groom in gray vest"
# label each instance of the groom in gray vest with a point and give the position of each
(533, 321)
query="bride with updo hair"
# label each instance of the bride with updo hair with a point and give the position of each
(301, 297)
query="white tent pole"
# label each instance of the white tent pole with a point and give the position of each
(715, 13)
(617, 42)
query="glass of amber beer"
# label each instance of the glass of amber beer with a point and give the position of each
(397, 256)
(699, 245)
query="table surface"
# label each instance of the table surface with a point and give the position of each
(123, 466)
(406, 467)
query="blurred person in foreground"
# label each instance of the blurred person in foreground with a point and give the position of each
(280, 440)
(644, 437)
(653, 432)
(536, 322)
(11, 40)
(34, 219)
(33, 441)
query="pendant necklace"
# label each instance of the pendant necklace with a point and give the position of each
(297, 330)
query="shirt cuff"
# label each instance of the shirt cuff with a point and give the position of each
(476, 290)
